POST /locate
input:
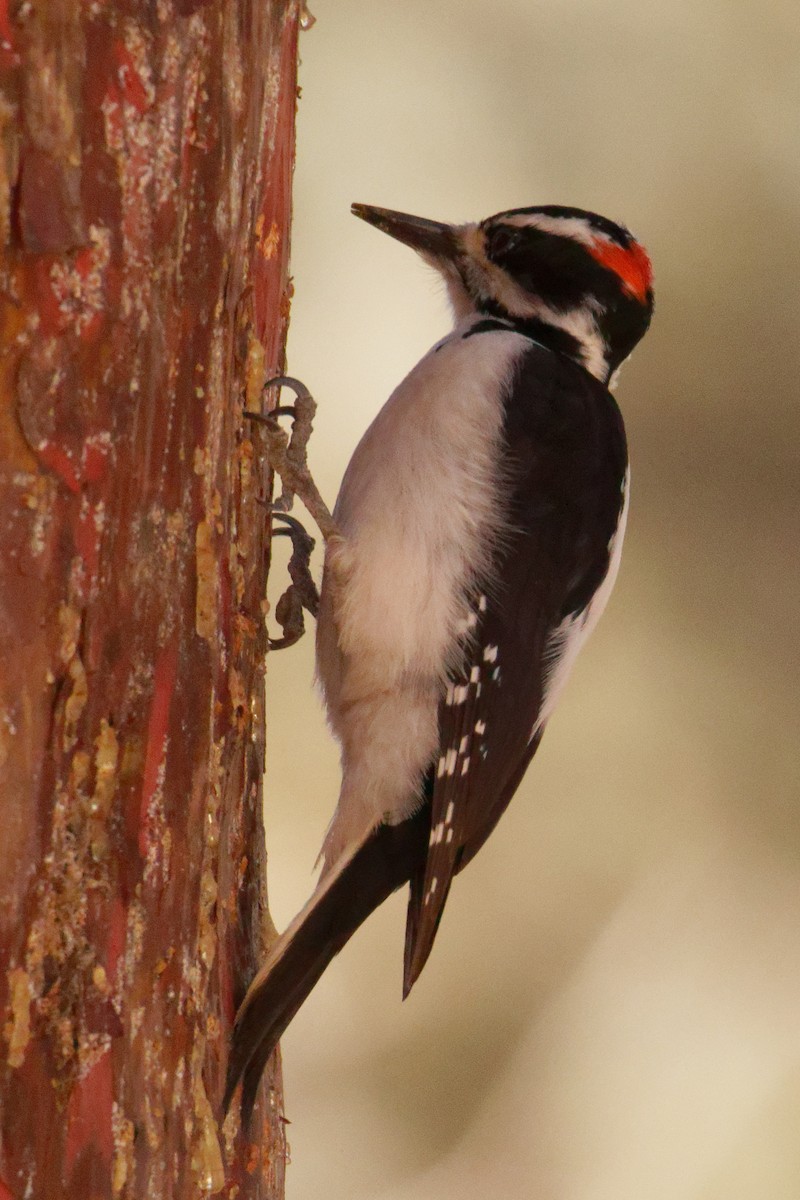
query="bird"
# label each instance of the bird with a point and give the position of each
(474, 544)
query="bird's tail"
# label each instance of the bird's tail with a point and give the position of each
(344, 898)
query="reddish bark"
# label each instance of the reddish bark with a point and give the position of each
(145, 170)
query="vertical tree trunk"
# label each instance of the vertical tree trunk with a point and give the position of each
(145, 163)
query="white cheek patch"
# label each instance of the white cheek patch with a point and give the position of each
(582, 325)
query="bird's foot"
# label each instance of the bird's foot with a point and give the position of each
(288, 455)
(301, 593)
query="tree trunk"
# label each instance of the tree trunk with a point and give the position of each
(146, 153)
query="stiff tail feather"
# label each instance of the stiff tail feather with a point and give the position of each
(420, 931)
(345, 897)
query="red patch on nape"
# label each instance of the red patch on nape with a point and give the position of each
(629, 263)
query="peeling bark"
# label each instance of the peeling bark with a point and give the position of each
(145, 168)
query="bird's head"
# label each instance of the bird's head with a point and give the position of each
(579, 275)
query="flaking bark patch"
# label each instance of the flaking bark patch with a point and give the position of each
(145, 168)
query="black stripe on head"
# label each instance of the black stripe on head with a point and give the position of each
(552, 266)
(563, 273)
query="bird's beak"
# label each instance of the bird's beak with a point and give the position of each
(432, 239)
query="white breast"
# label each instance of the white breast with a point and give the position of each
(420, 513)
(419, 505)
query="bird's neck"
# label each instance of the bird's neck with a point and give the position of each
(574, 334)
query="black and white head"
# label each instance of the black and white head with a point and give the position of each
(584, 278)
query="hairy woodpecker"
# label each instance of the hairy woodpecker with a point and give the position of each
(476, 539)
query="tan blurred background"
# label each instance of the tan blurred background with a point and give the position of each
(612, 1009)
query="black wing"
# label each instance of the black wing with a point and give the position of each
(566, 456)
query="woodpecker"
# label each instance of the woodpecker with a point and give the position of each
(474, 544)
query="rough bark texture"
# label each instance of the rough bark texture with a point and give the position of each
(145, 166)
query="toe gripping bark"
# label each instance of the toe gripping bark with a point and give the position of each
(287, 456)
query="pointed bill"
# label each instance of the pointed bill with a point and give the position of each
(432, 239)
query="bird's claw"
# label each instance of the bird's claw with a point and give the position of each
(287, 456)
(301, 593)
(288, 453)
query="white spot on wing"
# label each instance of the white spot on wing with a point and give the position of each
(431, 889)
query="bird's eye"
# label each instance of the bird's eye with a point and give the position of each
(501, 240)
